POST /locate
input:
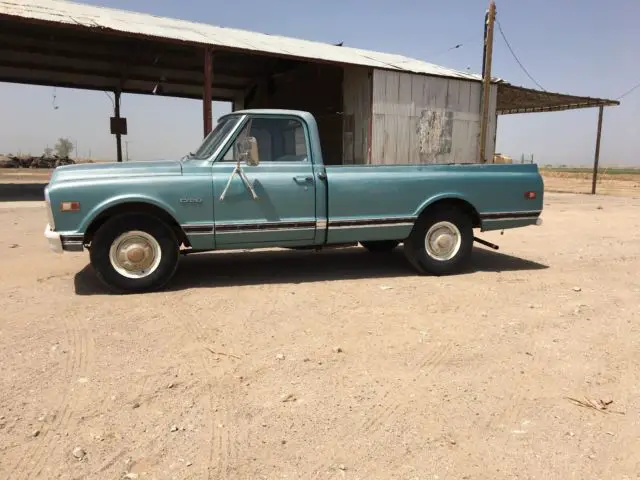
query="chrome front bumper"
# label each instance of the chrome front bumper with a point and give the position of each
(54, 240)
(63, 243)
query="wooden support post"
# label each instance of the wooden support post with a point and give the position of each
(116, 113)
(238, 102)
(207, 92)
(596, 158)
(486, 80)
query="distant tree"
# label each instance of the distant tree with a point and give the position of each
(48, 152)
(64, 147)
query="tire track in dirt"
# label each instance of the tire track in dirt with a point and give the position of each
(69, 369)
(509, 421)
(83, 356)
(223, 448)
(386, 410)
(21, 468)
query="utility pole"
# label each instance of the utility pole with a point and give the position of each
(118, 133)
(490, 18)
(596, 158)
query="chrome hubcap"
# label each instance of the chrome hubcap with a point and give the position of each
(443, 240)
(135, 254)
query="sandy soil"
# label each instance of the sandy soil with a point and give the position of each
(340, 364)
(608, 184)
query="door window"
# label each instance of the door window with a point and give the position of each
(277, 140)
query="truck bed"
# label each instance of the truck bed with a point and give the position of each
(396, 194)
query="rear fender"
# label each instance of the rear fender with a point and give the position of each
(442, 197)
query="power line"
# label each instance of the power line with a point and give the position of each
(109, 97)
(516, 57)
(629, 91)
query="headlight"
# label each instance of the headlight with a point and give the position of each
(47, 201)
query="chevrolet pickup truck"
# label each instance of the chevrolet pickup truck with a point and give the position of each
(258, 180)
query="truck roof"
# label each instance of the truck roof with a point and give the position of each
(273, 111)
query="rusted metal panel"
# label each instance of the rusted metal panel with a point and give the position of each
(421, 119)
(357, 115)
(107, 19)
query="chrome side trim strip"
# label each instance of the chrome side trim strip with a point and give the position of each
(371, 222)
(500, 219)
(371, 225)
(265, 226)
(209, 229)
(266, 230)
(500, 215)
(198, 229)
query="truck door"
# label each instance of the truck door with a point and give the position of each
(284, 211)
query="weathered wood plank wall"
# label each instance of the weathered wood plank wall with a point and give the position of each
(357, 114)
(422, 119)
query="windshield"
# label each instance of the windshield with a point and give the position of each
(212, 141)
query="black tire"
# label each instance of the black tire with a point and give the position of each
(381, 246)
(415, 250)
(116, 226)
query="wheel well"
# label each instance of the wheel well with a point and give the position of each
(458, 203)
(136, 207)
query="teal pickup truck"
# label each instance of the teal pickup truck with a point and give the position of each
(258, 180)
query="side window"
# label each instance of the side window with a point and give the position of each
(277, 139)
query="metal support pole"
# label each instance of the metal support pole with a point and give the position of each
(207, 93)
(117, 115)
(486, 80)
(596, 158)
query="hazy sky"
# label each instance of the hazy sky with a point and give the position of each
(584, 47)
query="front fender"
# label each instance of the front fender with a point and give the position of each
(120, 200)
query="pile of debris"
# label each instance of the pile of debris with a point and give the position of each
(12, 161)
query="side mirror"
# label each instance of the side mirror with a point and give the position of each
(249, 151)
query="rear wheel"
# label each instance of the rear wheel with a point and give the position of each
(382, 246)
(134, 253)
(441, 241)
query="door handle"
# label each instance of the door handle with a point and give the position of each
(303, 179)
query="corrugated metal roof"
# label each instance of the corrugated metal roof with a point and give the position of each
(65, 12)
(514, 99)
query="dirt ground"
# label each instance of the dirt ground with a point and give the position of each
(339, 364)
(620, 185)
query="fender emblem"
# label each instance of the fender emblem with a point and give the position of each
(191, 200)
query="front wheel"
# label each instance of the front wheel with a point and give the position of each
(134, 253)
(441, 242)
